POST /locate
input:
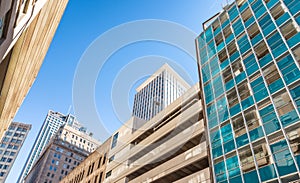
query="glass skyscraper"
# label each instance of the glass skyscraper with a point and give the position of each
(249, 56)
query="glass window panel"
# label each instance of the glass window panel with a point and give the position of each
(217, 152)
(208, 34)
(258, 8)
(294, 40)
(229, 146)
(283, 158)
(238, 27)
(251, 177)
(266, 24)
(205, 73)
(256, 134)
(242, 140)
(265, 60)
(269, 119)
(267, 172)
(244, 44)
(283, 19)
(214, 66)
(222, 109)
(236, 179)
(211, 49)
(276, 44)
(233, 13)
(295, 92)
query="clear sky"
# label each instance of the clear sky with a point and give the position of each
(81, 24)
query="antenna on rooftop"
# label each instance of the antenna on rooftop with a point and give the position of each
(69, 110)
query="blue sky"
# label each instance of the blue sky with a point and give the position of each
(81, 24)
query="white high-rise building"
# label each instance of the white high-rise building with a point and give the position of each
(157, 92)
(53, 121)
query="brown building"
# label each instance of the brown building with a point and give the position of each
(93, 168)
(57, 160)
(69, 147)
(26, 31)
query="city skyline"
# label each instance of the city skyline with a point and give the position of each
(52, 89)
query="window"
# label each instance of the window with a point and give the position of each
(108, 174)
(288, 30)
(111, 158)
(261, 50)
(238, 125)
(247, 160)
(232, 97)
(296, 52)
(277, 11)
(285, 108)
(114, 140)
(252, 119)
(246, 15)
(288, 69)
(104, 159)
(272, 78)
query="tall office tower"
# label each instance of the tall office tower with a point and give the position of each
(10, 146)
(26, 31)
(53, 121)
(249, 57)
(66, 150)
(157, 92)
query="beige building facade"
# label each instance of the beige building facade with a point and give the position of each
(26, 31)
(171, 147)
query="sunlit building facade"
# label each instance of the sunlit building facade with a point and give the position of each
(249, 57)
(10, 146)
(157, 92)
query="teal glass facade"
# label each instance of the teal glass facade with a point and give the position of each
(249, 56)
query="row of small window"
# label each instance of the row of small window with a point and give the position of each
(9, 133)
(264, 157)
(20, 129)
(4, 167)
(69, 160)
(8, 153)
(4, 159)
(10, 146)
(82, 140)
(13, 140)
